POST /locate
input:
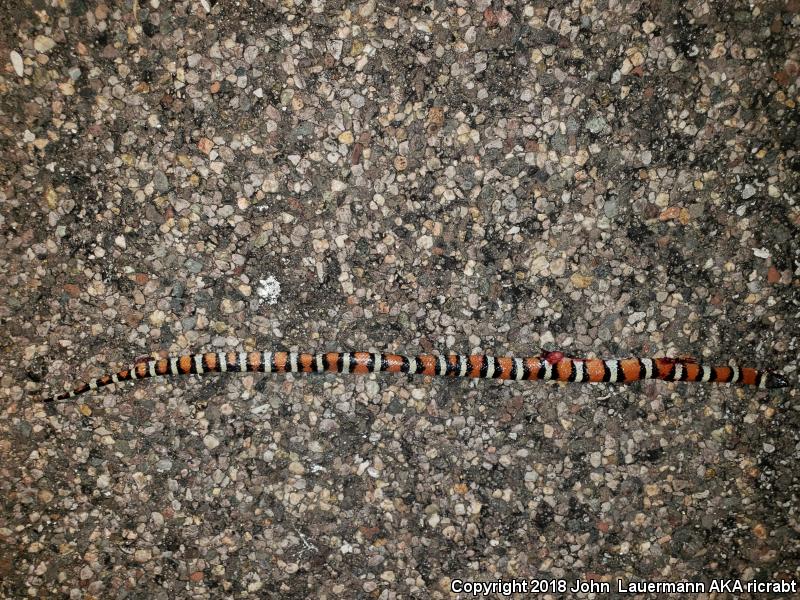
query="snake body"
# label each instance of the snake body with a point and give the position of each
(549, 366)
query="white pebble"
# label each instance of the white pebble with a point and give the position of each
(636, 317)
(16, 62)
(269, 290)
(42, 43)
(425, 242)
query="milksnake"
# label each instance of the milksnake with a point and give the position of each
(552, 366)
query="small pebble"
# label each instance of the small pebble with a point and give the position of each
(16, 62)
(43, 44)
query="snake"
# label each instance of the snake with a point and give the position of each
(548, 366)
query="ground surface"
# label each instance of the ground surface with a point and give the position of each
(608, 178)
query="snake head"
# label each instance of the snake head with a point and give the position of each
(775, 381)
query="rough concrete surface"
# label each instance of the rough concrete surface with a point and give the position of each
(603, 177)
